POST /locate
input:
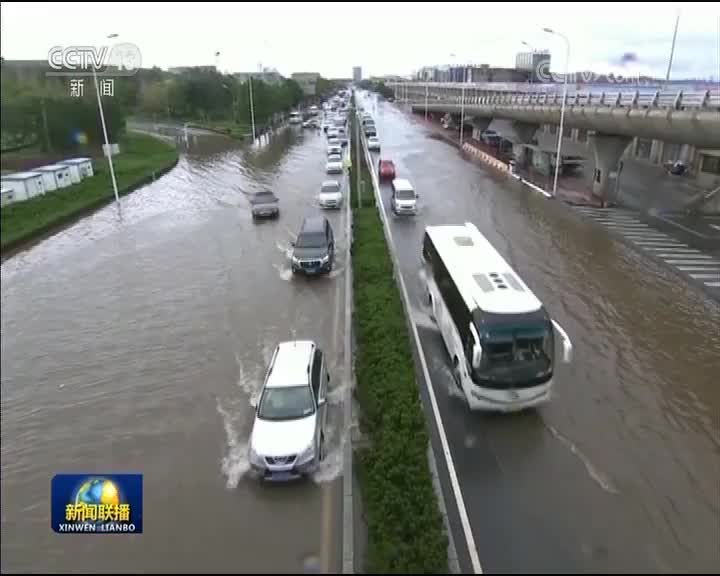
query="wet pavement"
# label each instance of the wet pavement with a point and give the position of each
(133, 342)
(620, 472)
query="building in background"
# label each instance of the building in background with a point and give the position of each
(307, 81)
(269, 75)
(537, 63)
(357, 73)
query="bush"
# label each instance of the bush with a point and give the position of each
(405, 529)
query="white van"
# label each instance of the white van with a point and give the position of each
(295, 118)
(404, 198)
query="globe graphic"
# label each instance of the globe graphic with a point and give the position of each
(98, 491)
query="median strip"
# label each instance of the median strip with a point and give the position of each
(405, 527)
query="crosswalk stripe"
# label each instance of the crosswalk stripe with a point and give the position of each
(660, 244)
(713, 284)
(671, 248)
(696, 262)
(697, 269)
(682, 254)
(705, 276)
(642, 235)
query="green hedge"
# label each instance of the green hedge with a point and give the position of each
(405, 528)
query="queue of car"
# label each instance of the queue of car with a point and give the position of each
(289, 430)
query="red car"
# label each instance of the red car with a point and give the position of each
(386, 170)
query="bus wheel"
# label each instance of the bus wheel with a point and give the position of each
(456, 373)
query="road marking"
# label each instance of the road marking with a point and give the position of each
(663, 245)
(713, 284)
(455, 484)
(649, 236)
(714, 226)
(705, 276)
(674, 248)
(695, 256)
(696, 262)
(697, 269)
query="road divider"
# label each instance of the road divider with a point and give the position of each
(404, 524)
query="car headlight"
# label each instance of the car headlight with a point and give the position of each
(255, 458)
(295, 260)
(307, 454)
(325, 259)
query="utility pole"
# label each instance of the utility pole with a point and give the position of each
(357, 159)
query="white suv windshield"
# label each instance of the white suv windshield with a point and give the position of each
(286, 403)
(405, 195)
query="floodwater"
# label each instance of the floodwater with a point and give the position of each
(133, 342)
(621, 472)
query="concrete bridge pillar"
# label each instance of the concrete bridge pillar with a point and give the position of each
(522, 132)
(607, 151)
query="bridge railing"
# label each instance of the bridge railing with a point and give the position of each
(550, 96)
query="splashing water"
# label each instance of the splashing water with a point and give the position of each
(250, 385)
(235, 463)
(285, 249)
(332, 465)
(284, 272)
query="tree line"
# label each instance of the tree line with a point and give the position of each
(39, 109)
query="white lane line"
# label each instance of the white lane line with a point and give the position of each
(457, 492)
(632, 227)
(690, 262)
(714, 226)
(713, 284)
(698, 268)
(705, 276)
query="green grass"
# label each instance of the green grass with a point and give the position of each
(405, 528)
(141, 156)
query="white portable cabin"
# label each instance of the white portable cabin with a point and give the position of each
(24, 184)
(55, 176)
(7, 196)
(79, 168)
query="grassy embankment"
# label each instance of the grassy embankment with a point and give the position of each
(141, 159)
(405, 528)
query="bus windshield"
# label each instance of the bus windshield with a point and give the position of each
(515, 354)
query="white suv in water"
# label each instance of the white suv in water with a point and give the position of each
(288, 435)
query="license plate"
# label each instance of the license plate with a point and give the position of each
(281, 476)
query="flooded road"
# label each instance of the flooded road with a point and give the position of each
(620, 472)
(134, 342)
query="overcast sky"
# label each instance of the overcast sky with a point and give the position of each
(383, 38)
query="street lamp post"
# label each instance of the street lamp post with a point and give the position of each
(252, 107)
(234, 102)
(532, 60)
(426, 100)
(104, 128)
(558, 157)
(462, 105)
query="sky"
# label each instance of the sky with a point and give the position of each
(382, 37)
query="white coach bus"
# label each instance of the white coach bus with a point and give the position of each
(498, 334)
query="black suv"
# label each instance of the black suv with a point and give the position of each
(314, 249)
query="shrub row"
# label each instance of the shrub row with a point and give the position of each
(405, 528)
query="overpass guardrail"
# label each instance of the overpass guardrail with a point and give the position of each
(548, 95)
